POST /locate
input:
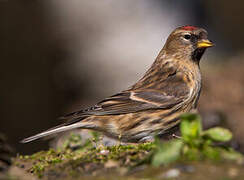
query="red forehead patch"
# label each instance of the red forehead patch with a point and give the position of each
(189, 28)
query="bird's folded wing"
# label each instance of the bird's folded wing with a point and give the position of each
(132, 101)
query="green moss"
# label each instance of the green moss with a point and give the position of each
(38, 169)
(46, 160)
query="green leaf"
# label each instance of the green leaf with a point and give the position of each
(218, 134)
(211, 152)
(190, 126)
(167, 152)
(233, 155)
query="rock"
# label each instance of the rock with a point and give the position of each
(172, 173)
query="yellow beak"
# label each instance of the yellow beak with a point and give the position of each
(204, 43)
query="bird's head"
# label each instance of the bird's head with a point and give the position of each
(187, 42)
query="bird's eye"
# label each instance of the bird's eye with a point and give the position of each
(187, 36)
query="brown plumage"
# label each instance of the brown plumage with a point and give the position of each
(153, 105)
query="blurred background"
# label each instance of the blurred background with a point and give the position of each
(59, 56)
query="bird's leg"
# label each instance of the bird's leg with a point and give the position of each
(100, 140)
(119, 140)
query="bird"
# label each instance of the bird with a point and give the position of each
(154, 104)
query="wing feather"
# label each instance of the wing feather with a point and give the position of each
(130, 102)
(135, 100)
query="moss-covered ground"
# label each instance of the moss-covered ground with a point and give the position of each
(197, 154)
(122, 162)
(89, 161)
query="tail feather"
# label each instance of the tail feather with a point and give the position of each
(57, 129)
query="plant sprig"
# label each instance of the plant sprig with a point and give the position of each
(195, 144)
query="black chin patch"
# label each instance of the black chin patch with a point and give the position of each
(197, 54)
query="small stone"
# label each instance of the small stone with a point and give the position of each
(172, 173)
(104, 152)
(233, 172)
